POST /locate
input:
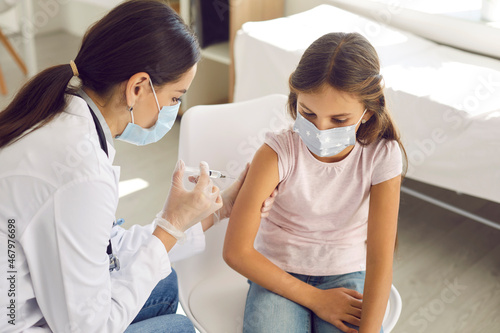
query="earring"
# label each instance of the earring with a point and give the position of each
(363, 121)
(130, 109)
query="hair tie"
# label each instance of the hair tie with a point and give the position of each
(73, 67)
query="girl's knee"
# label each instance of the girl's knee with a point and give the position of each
(183, 323)
(266, 311)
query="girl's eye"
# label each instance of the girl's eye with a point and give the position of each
(339, 121)
(307, 115)
(175, 99)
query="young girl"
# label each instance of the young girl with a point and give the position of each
(338, 171)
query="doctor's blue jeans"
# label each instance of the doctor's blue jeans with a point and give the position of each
(158, 315)
(267, 312)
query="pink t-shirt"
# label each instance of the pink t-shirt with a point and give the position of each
(318, 223)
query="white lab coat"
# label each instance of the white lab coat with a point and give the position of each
(61, 190)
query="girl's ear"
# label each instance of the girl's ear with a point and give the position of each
(367, 116)
(136, 86)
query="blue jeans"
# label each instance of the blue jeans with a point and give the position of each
(158, 315)
(266, 311)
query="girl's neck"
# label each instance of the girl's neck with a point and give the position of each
(336, 158)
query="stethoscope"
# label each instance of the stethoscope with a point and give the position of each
(114, 263)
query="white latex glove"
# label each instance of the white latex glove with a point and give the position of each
(268, 204)
(229, 196)
(184, 208)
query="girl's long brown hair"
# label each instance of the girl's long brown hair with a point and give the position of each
(349, 63)
(136, 36)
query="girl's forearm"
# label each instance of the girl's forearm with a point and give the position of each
(375, 297)
(260, 270)
(381, 237)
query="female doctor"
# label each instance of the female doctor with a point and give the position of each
(66, 266)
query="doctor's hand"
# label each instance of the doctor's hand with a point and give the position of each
(229, 196)
(184, 208)
(337, 306)
(268, 204)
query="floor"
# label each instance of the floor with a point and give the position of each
(447, 267)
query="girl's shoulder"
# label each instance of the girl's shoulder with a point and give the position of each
(282, 142)
(385, 157)
(383, 146)
(282, 135)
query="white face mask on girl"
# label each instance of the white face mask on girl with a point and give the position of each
(328, 142)
(139, 136)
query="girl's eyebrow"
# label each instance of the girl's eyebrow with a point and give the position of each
(335, 115)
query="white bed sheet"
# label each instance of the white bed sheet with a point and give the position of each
(445, 101)
(275, 46)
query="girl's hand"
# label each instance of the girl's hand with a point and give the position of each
(337, 306)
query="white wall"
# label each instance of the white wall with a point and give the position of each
(297, 6)
(79, 15)
(46, 18)
(74, 16)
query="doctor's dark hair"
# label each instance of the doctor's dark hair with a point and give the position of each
(349, 63)
(136, 36)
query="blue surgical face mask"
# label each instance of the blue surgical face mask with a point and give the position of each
(328, 142)
(139, 136)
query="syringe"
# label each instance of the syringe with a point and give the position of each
(211, 173)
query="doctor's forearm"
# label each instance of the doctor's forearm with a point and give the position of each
(257, 268)
(167, 239)
(207, 223)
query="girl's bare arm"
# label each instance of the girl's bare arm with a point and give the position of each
(382, 228)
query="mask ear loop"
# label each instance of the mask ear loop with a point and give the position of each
(154, 93)
(361, 119)
(131, 110)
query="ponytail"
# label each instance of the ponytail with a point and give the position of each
(38, 101)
